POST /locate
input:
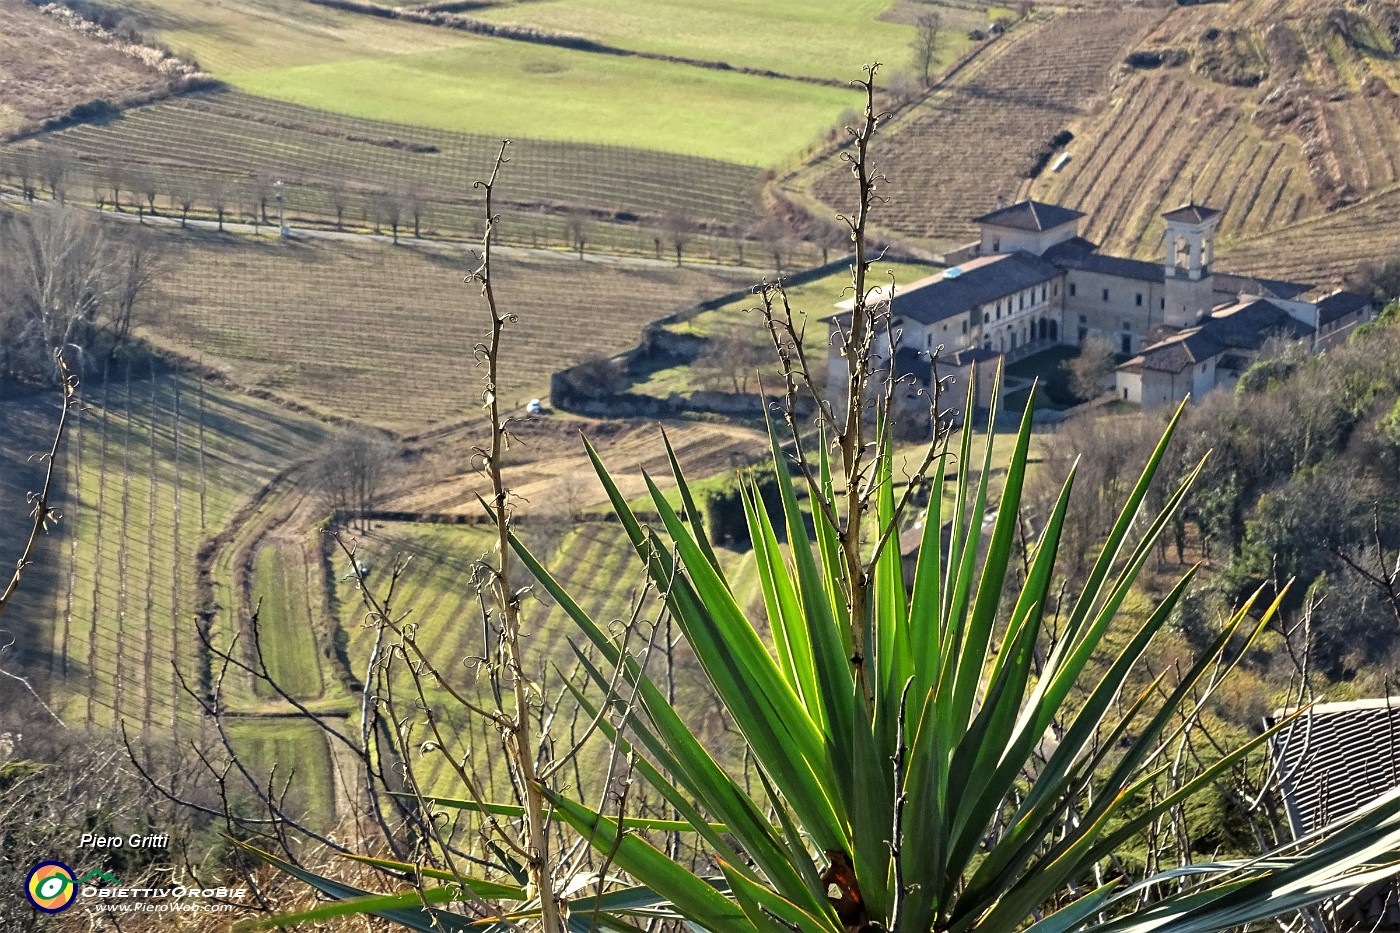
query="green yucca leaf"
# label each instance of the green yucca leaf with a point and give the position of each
(781, 734)
(671, 741)
(771, 912)
(831, 643)
(486, 889)
(889, 607)
(692, 511)
(691, 896)
(790, 635)
(404, 908)
(977, 636)
(828, 538)
(926, 604)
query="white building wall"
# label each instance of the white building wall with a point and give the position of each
(1203, 379)
(1009, 239)
(1089, 314)
(1018, 316)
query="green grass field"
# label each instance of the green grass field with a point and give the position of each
(521, 89)
(595, 563)
(821, 38)
(284, 749)
(154, 467)
(285, 619)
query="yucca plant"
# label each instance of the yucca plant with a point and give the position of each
(941, 799)
(927, 760)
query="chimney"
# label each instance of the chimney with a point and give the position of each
(1001, 202)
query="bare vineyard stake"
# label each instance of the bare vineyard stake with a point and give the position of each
(123, 553)
(177, 565)
(148, 621)
(97, 535)
(73, 499)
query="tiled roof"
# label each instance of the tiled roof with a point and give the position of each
(1261, 288)
(1339, 305)
(975, 283)
(1030, 215)
(1336, 758)
(1072, 250)
(961, 358)
(1192, 214)
(1243, 326)
(1119, 267)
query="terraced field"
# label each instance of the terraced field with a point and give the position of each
(386, 334)
(1326, 249)
(1176, 140)
(1281, 112)
(950, 157)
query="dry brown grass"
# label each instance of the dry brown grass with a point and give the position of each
(46, 68)
(386, 334)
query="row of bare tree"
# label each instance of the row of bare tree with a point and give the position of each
(780, 232)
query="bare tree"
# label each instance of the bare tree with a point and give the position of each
(183, 196)
(58, 289)
(350, 470)
(138, 263)
(260, 193)
(732, 358)
(390, 206)
(827, 235)
(24, 172)
(148, 189)
(925, 44)
(340, 200)
(54, 168)
(416, 209)
(679, 228)
(774, 232)
(1090, 368)
(218, 199)
(114, 173)
(577, 225)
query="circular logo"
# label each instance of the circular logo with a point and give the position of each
(50, 887)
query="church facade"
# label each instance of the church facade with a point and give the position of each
(1032, 282)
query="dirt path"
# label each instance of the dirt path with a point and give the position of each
(557, 476)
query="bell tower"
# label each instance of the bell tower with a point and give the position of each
(1190, 285)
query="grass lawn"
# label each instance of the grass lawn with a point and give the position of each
(235, 36)
(289, 645)
(823, 38)
(519, 89)
(295, 748)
